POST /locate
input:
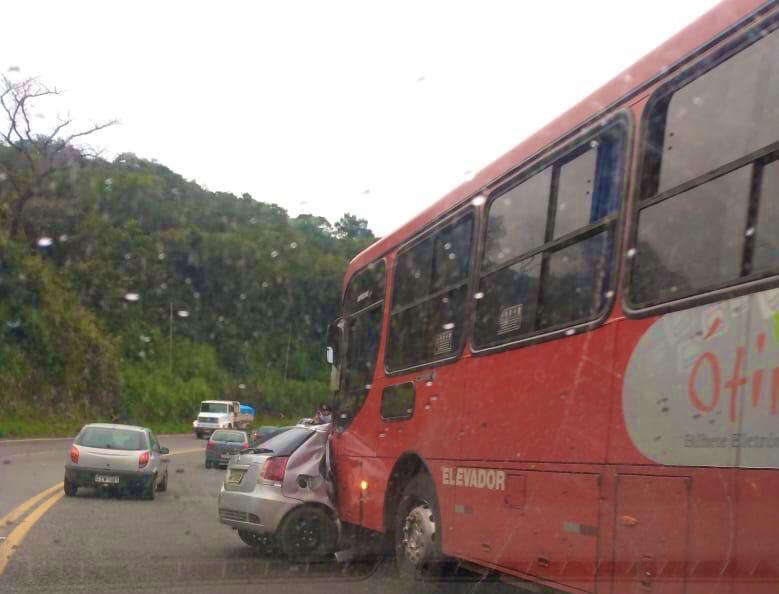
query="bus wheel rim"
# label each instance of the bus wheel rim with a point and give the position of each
(418, 534)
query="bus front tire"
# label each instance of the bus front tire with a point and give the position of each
(418, 556)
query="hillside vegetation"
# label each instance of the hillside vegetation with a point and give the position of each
(126, 288)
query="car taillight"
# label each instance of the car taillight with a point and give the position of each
(274, 469)
(245, 444)
(74, 454)
(143, 460)
(210, 445)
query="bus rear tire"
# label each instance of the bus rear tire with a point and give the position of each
(418, 557)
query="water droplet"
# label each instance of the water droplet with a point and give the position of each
(188, 280)
(108, 182)
(293, 245)
(570, 332)
(183, 313)
(478, 295)
(253, 220)
(127, 256)
(429, 384)
(221, 319)
(45, 242)
(196, 295)
(141, 354)
(274, 254)
(697, 101)
(609, 294)
(417, 274)
(631, 252)
(448, 245)
(750, 232)
(3, 177)
(241, 386)
(368, 386)
(448, 326)
(145, 338)
(594, 144)
(13, 324)
(445, 300)
(132, 297)
(164, 286)
(161, 256)
(63, 238)
(479, 200)
(452, 255)
(243, 296)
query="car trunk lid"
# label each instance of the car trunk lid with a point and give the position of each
(109, 459)
(243, 472)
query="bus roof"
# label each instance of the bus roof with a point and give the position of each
(629, 84)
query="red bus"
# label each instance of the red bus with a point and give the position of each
(566, 370)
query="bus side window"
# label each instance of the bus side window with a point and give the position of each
(709, 206)
(428, 304)
(548, 249)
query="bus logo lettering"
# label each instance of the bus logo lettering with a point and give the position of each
(475, 478)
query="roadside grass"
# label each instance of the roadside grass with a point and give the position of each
(11, 427)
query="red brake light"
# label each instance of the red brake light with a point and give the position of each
(74, 454)
(274, 469)
(210, 444)
(143, 459)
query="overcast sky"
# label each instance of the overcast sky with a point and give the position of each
(326, 107)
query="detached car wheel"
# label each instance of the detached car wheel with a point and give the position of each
(70, 488)
(308, 534)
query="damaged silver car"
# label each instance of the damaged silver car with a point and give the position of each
(279, 496)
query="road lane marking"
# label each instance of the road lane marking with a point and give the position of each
(25, 506)
(15, 538)
(17, 534)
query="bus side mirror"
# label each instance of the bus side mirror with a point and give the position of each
(333, 341)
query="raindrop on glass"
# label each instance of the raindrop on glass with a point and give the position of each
(265, 284)
(697, 101)
(253, 220)
(594, 144)
(293, 245)
(127, 256)
(609, 294)
(132, 297)
(448, 245)
(141, 354)
(570, 332)
(183, 313)
(448, 326)
(750, 232)
(631, 252)
(478, 201)
(243, 296)
(368, 386)
(63, 238)
(13, 324)
(108, 182)
(274, 254)
(161, 256)
(45, 242)
(478, 295)
(452, 256)
(429, 384)
(145, 338)
(188, 280)
(241, 386)
(469, 174)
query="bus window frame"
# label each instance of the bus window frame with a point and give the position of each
(346, 318)
(460, 211)
(704, 62)
(413, 402)
(612, 224)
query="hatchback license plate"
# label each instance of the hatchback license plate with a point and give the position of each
(106, 479)
(235, 477)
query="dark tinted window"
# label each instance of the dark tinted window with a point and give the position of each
(566, 280)
(709, 213)
(575, 281)
(767, 228)
(672, 259)
(697, 138)
(575, 188)
(229, 436)
(397, 402)
(517, 220)
(110, 438)
(428, 313)
(365, 288)
(286, 442)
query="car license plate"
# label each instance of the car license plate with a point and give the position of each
(106, 479)
(226, 456)
(235, 477)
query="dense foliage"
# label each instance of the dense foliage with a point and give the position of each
(126, 288)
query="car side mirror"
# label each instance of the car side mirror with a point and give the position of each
(164, 451)
(330, 355)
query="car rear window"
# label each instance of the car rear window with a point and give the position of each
(286, 442)
(229, 436)
(113, 439)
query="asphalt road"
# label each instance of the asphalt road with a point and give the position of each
(97, 543)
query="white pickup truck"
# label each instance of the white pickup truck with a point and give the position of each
(221, 414)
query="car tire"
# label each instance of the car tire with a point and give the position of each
(70, 488)
(261, 543)
(418, 558)
(308, 534)
(163, 486)
(150, 491)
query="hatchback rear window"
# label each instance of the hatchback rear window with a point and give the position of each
(112, 439)
(288, 441)
(229, 436)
